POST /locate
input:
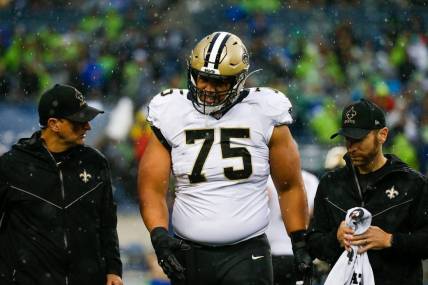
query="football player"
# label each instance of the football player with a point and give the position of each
(220, 141)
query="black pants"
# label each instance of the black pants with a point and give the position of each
(248, 263)
(283, 270)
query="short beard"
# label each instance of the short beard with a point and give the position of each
(371, 156)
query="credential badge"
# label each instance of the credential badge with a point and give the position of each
(85, 176)
(391, 193)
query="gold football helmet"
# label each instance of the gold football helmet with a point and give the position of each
(220, 57)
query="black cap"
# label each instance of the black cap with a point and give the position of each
(64, 101)
(358, 119)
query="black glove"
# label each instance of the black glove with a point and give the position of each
(165, 246)
(302, 259)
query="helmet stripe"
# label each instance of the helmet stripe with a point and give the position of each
(215, 48)
(220, 50)
(210, 48)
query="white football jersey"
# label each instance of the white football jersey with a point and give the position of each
(280, 242)
(221, 165)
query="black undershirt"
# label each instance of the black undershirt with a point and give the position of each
(60, 157)
(371, 177)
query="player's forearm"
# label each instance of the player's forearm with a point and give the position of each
(294, 209)
(154, 210)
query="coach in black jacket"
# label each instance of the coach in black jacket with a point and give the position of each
(57, 215)
(396, 195)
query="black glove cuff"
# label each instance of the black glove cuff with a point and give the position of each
(158, 233)
(298, 238)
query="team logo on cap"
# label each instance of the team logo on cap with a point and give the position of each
(350, 114)
(79, 96)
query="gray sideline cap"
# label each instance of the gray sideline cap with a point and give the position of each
(358, 119)
(64, 101)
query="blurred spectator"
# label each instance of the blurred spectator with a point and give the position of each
(29, 80)
(5, 83)
(324, 121)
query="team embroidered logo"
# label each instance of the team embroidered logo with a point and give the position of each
(350, 116)
(391, 193)
(85, 176)
(79, 96)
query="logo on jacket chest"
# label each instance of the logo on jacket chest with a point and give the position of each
(391, 193)
(85, 176)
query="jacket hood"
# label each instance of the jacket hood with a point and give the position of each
(34, 141)
(33, 145)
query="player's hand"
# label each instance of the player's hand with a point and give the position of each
(302, 259)
(113, 279)
(374, 238)
(344, 235)
(165, 246)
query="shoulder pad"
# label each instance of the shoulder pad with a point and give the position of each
(161, 102)
(273, 103)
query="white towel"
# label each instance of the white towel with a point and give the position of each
(353, 268)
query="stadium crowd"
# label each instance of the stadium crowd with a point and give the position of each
(323, 54)
(117, 49)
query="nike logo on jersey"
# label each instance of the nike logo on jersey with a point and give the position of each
(256, 257)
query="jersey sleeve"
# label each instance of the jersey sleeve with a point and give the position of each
(157, 115)
(155, 109)
(278, 107)
(162, 105)
(274, 107)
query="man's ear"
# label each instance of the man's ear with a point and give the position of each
(53, 124)
(382, 135)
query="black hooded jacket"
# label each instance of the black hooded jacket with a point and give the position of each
(57, 220)
(398, 201)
